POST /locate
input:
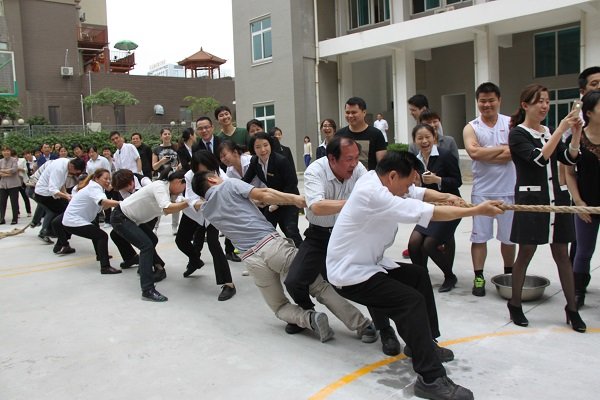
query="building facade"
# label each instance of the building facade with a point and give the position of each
(54, 52)
(385, 51)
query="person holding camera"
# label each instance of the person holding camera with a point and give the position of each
(165, 156)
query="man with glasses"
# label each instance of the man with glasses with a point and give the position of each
(208, 141)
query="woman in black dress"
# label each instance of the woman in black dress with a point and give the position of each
(442, 174)
(536, 154)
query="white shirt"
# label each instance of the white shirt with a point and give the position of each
(491, 179)
(84, 205)
(137, 186)
(126, 157)
(191, 197)
(147, 203)
(22, 169)
(382, 125)
(101, 162)
(245, 162)
(320, 183)
(53, 178)
(367, 226)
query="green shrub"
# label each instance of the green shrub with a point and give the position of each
(397, 147)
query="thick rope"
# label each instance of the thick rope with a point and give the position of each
(539, 208)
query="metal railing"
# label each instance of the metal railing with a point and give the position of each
(57, 130)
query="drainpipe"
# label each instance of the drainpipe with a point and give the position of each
(316, 21)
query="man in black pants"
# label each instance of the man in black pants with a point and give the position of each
(328, 182)
(357, 268)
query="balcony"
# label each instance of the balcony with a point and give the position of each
(92, 37)
(121, 62)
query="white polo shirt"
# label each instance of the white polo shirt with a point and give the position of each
(53, 178)
(84, 205)
(367, 226)
(147, 203)
(320, 183)
(126, 158)
(101, 162)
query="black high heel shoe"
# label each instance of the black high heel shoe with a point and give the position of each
(516, 315)
(574, 319)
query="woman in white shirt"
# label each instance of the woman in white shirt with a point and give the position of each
(130, 217)
(193, 228)
(80, 218)
(94, 162)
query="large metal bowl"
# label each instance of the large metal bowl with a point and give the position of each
(533, 288)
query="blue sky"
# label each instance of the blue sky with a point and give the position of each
(172, 30)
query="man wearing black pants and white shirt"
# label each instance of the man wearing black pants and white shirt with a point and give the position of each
(356, 265)
(328, 182)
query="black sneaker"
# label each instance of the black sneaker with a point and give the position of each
(45, 239)
(444, 354)
(292, 329)
(449, 283)
(153, 295)
(135, 260)
(478, 286)
(227, 292)
(441, 389)
(231, 256)
(390, 345)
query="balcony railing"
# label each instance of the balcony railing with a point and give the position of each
(92, 37)
(121, 61)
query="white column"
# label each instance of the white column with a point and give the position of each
(486, 57)
(590, 38)
(403, 77)
(345, 89)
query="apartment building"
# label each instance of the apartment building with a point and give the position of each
(388, 50)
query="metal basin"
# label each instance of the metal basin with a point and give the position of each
(533, 288)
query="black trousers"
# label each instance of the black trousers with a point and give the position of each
(98, 237)
(307, 265)
(287, 218)
(398, 295)
(190, 240)
(125, 248)
(22, 190)
(62, 236)
(13, 194)
(57, 206)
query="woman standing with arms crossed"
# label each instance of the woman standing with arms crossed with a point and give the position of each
(9, 185)
(583, 180)
(536, 154)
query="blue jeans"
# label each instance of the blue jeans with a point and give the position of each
(138, 237)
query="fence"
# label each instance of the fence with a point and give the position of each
(58, 130)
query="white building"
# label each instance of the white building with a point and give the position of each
(388, 50)
(161, 68)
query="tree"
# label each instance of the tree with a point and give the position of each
(202, 105)
(111, 97)
(9, 107)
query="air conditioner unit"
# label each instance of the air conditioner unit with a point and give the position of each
(66, 71)
(443, 10)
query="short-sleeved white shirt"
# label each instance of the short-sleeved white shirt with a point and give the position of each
(147, 203)
(382, 125)
(53, 178)
(320, 183)
(101, 162)
(126, 158)
(137, 186)
(245, 161)
(367, 226)
(192, 198)
(84, 205)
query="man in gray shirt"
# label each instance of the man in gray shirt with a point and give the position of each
(268, 256)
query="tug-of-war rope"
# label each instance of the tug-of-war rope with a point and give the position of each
(538, 208)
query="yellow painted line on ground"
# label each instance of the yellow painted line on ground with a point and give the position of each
(67, 264)
(351, 377)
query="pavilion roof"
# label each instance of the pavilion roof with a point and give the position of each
(202, 58)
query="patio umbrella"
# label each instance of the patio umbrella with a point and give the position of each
(127, 45)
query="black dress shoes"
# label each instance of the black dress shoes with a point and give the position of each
(109, 270)
(153, 295)
(160, 274)
(191, 268)
(135, 260)
(227, 292)
(231, 256)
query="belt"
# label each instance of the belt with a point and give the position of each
(320, 228)
(259, 245)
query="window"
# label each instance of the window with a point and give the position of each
(1, 8)
(557, 53)
(420, 6)
(266, 114)
(185, 114)
(561, 101)
(367, 12)
(53, 115)
(261, 40)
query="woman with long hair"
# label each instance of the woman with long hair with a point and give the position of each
(536, 154)
(186, 148)
(80, 217)
(193, 228)
(328, 128)
(583, 180)
(442, 174)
